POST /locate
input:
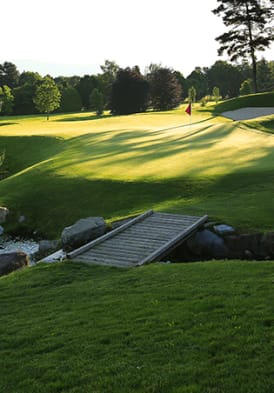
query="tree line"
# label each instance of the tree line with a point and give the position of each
(126, 90)
(123, 91)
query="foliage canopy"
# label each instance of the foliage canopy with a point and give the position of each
(129, 92)
(165, 89)
(47, 97)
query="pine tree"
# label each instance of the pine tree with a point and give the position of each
(249, 29)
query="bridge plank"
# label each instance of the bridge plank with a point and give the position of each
(141, 240)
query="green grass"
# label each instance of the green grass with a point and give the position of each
(79, 165)
(180, 328)
(263, 124)
(175, 328)
(251, 100)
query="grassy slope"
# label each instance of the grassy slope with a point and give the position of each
(78, 165)
(251, 100)
(265, 124)
(190, 328)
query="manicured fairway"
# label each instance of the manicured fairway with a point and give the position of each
(77, 165)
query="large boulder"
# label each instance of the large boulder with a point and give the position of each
(46, 247)
(207, 245)
(82, 232)
(3, 214)
(12, 261)
(247, 246)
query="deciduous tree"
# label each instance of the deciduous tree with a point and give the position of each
(129, 92)
(97, 101)
(24, 93)
(198, 79)
(47, 97)
(246, 87)
(70, 100)
(107, 78)
(192, 94)
(216, 93)
(265, 75)
(9, 74)
(226, 76)
(6, 100)
(85, 86)
(165, 89)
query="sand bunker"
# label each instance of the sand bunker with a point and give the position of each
(248, 113)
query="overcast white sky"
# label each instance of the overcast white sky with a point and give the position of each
(68, 37)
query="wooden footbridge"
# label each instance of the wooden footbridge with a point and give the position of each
(143, 239)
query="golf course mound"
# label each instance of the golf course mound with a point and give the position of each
(249, 113)
(259, 100)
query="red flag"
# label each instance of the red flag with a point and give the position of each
(188, 109)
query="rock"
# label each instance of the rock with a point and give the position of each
(267, 244)
(57, 256)
(12, 261)
(1, 230)
(245, 246)
(223, 229)
(248, 255)
(206, 244)
(3, 214)
(48, 246)
(82, 232)
(21, 219)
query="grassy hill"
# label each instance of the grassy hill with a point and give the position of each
(163, 328)
(178, 328)
(79, 165)
(251, 100)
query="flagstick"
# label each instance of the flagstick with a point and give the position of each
(189, 112)
(190, 124)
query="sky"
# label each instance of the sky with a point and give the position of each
(68, 37)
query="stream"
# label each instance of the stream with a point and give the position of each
(29, 247)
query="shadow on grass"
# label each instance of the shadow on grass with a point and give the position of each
(83, 118)
(139, 147)
(51, 201)
(189, 125)
(25, 151)
(9, 123)
(266, 126)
